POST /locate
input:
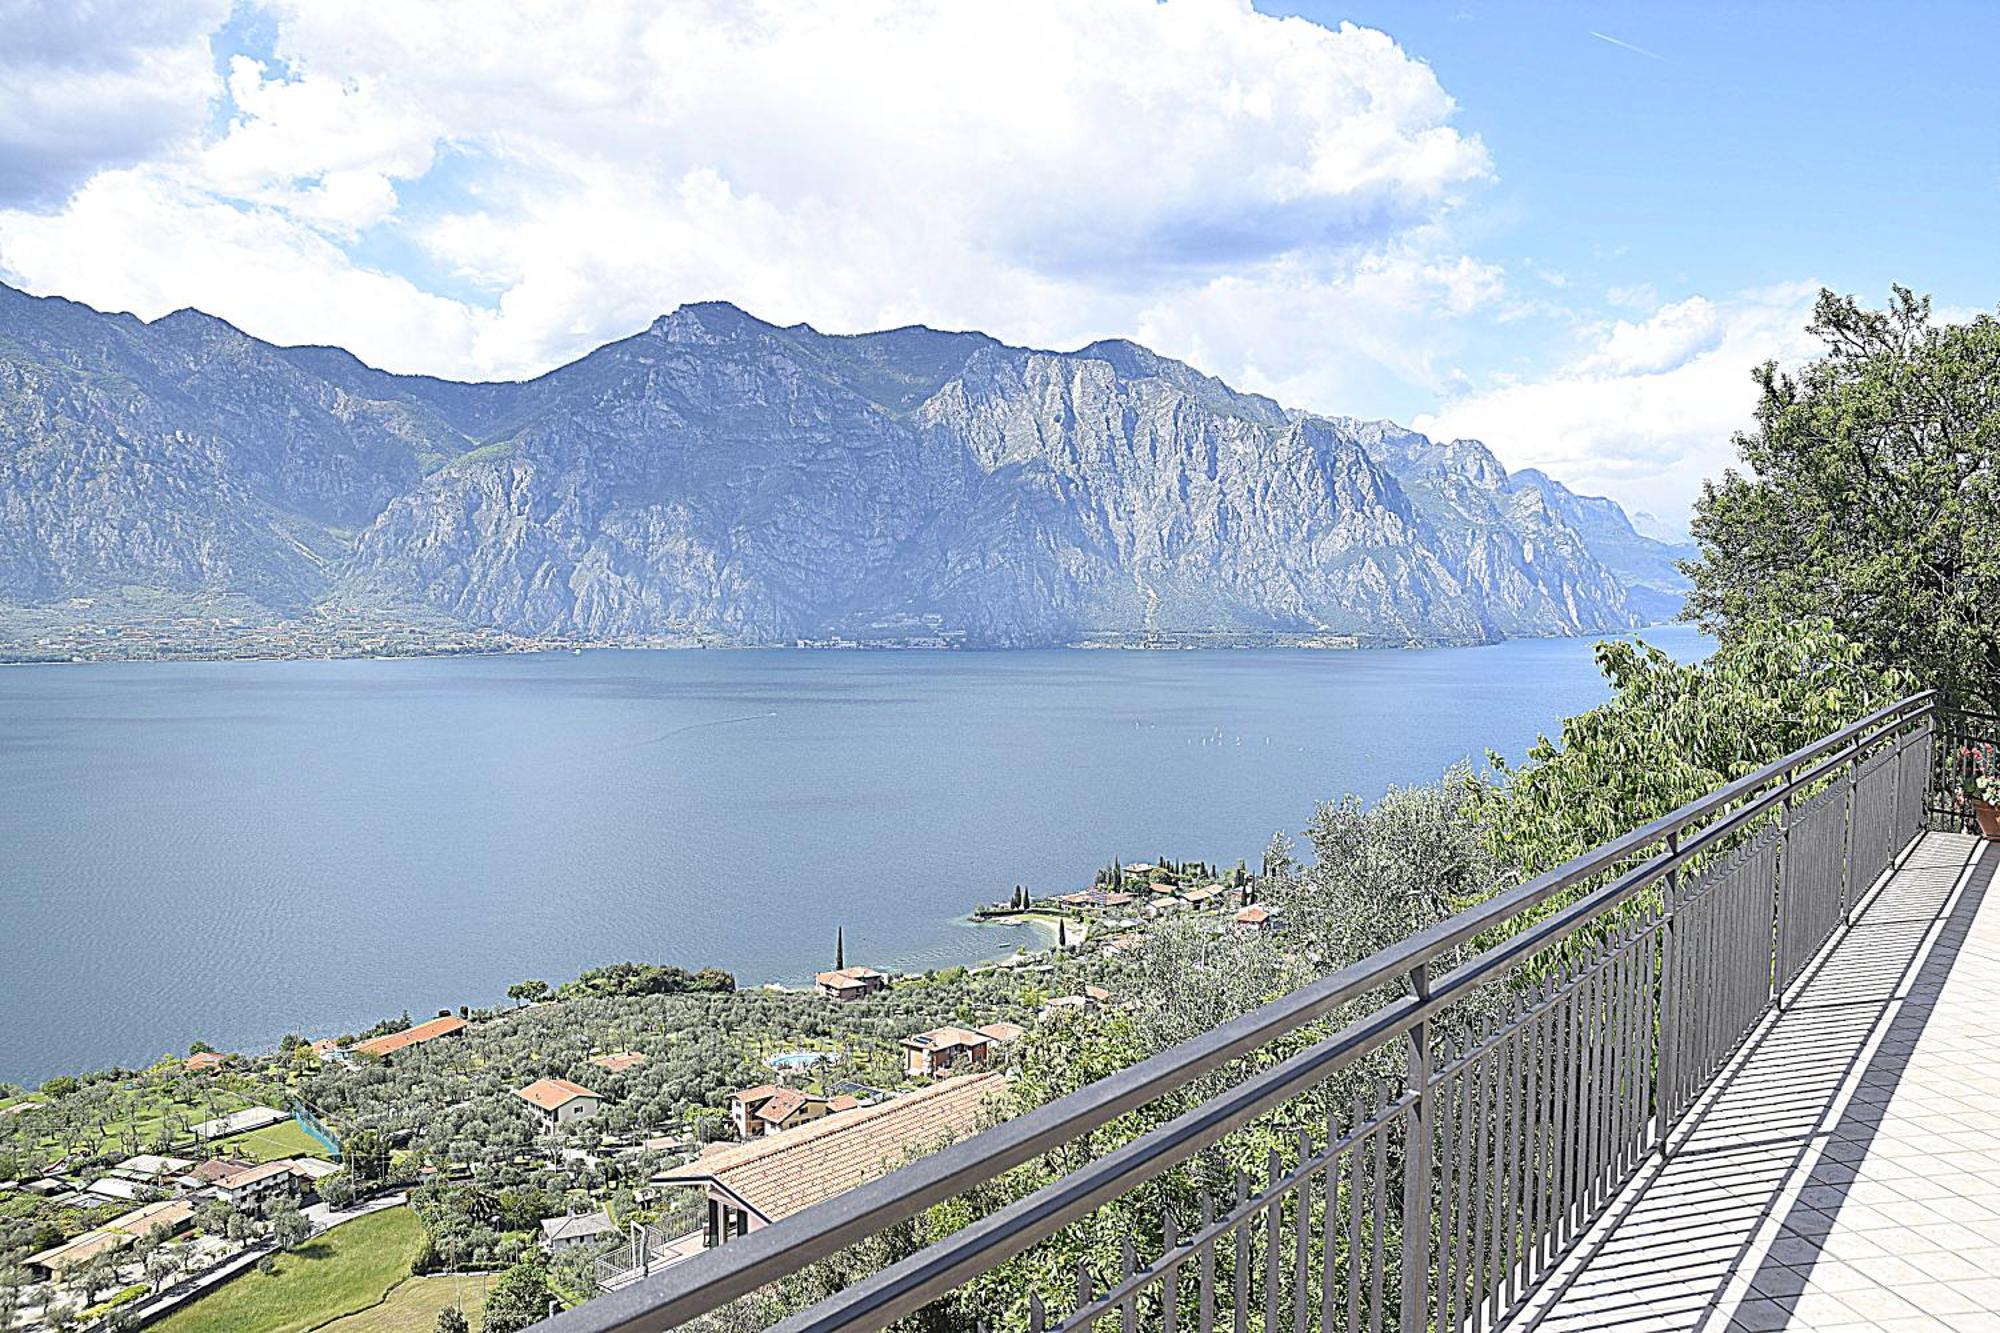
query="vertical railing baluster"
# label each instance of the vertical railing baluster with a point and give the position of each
(1416, 1259)
(1205, 1305)
(1464, 1201)
(1330, 1228)
(1848, 889)
(1302, 1243)
(1378, 1254)
(1170, 1286)
(1664, 1067)
(1483, 1218)
(1128, 1309)
(1566, 1100)
(1274, 1251)
(1243, 1235)
(1355, 1197)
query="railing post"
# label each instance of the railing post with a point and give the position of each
(1664, 1072)
(1847, 846)
(1417, 1171)
(1784, 874)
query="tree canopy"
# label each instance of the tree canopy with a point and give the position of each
(1872, 499)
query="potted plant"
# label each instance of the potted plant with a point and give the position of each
(1980, 769)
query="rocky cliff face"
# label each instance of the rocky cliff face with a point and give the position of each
(720, 476)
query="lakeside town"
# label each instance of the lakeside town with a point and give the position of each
(481, 1167)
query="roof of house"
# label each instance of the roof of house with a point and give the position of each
(938, 1039)
(207, 1060)
(326, 1046)
(151, 1166)
(1158, 887)
(842, 1102)
(1253, 915)
(1003, 1032)
(619, 1061)
(422, 1032)
(79, 1249)
(1097, 993)
(777, 1109)
(550, 1093)
(1117, 899)
(312, 1168)
(218, 1169)
(114, 1187)
(255, 1175)
(578, 1226)
(168, 1214)
(849, 976)
(762, 1092)
(781, 1173)
(1204, 893)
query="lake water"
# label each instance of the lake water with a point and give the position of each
(230, 851)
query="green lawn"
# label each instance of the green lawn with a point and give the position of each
(269, 1144)
(413, 1306)
(349, 1269)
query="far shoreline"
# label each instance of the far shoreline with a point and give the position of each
(1198, 643)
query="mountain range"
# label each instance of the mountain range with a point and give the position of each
(721, 479)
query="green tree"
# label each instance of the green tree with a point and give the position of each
(528, 992)
(288, 1226)
(1872, 499)
(519, 1298)
(1672, 733)
(451, 1319)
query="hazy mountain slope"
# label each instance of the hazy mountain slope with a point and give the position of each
(721, 476)
(1649, 568)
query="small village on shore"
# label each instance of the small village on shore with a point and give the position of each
(501, 1162)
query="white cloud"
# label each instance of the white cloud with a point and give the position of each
(485, 188)
(1647, 410)
(85, 86)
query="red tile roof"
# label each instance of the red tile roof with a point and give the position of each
(550, 1093)
(938, 1039)
(778, 1108)
(422, 1032)
(619, 1061)
(779, 1174)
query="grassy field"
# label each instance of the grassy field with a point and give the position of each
(269, 1144)
(349, 1269)
(413, 1306)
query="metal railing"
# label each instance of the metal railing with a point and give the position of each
(1958, 729)
(1486, 1115)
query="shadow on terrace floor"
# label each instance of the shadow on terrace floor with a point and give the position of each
(1845, 1170)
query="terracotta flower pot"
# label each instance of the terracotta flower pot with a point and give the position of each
(1988, 815)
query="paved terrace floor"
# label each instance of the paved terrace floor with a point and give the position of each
(1844, 1173)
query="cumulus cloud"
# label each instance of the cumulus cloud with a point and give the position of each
(1646, 410)
(485, 188)
(85, 86)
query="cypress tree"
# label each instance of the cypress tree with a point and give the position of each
(839, 948)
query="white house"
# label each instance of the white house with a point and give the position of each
(559, 1101)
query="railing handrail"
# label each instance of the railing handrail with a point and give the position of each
(749, 1262)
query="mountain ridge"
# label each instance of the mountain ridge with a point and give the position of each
(715, 477)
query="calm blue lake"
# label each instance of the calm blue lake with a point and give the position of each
(230, 851)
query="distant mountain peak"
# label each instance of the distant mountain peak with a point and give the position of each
(703, 320)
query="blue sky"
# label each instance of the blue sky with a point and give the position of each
(1758, 142)
(1568, 230)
